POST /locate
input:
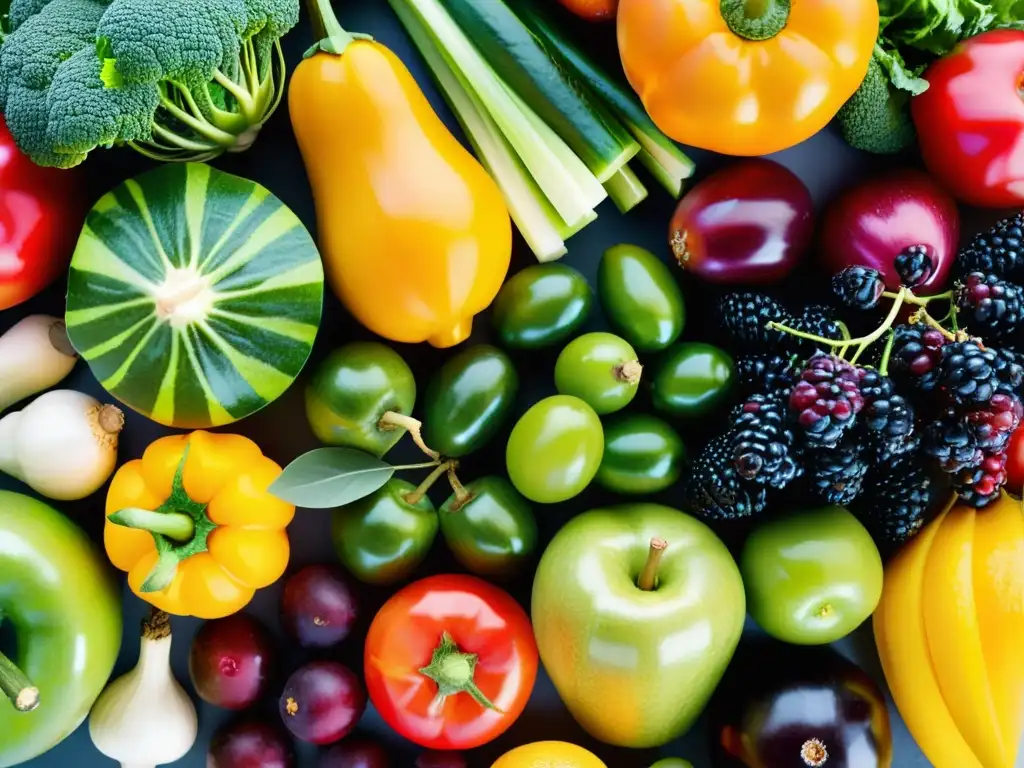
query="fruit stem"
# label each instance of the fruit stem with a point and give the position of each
(628, 372)
(920, 301)
(453, 672)
(414, 497)
(876, 334)
(173, 525)
(649, 576)
(392, 420)
(883, 365)
(462, 496)
(23, 695)
(922, 316)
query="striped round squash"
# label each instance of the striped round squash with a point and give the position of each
(194, 295)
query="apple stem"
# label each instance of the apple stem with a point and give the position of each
(453, 672)
(649, 576)
(13, 683)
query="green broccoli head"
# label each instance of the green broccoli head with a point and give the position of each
(877, 118)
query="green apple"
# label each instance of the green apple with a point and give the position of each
(813, 577)
(637, 610)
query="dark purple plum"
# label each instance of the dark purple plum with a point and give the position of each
(322, 702)
(231, 661)
(318, 606)
(250, 744)
(355, 753)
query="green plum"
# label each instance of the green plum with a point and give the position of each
(383, 537)
(361, 396)
(811, 578)
(693, 380)
(489, 527)
(600, 369)
(672, 762)
(641, 297)
(555, 449)
(642, 454)
(468, 400)
(541, 305)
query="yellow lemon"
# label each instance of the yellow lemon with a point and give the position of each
(549, 754)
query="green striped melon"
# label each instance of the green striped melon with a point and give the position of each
(194, 295)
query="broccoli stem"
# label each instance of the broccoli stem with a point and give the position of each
(331, 36)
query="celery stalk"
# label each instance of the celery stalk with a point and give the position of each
(545, 162)
(537, 220)
(625, 189)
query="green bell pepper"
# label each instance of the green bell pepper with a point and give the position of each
(64, 605)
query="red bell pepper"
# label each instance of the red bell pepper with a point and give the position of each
(970, 121)
(41, 214)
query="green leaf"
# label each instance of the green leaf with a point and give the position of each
(903, 77)
(330, 477)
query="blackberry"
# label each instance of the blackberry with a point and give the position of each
(858, 287)
(882, 452)
(916, 354)
(818, 320)
(980, 486)
(887, 414)
(999, 251)
(837, 476)
(744, 317)
(826, 400)
(765, 373)
(914, 265)
(967, 373)
(951, 441)
(993, 307)
(895, 502)
(1009, 372)
(761, 443)
(716, 491)
(994, 424)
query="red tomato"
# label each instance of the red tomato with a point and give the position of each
(439, 651)
(41, 213)
(970, 121)
(1015, 463)
(593, 10)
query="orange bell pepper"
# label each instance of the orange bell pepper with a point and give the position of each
(192, 524)
(948, 631)
(745, 77)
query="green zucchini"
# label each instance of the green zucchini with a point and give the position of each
(661, 156)
(537, 75)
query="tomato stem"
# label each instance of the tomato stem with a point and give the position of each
(414, 497)
(453, 672)
(649, 576)
(392, 420)
(23, 695)
(755, 20)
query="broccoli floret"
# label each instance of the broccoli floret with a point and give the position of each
(877, 117)
(174, 79)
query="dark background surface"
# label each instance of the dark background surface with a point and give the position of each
(824, 163)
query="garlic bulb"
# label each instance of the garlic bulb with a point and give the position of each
(35, 354)
(144, 718)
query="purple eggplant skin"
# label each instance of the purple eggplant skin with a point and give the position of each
(788, 707)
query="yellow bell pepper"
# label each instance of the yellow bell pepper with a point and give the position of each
(949, 630)
(192, 524)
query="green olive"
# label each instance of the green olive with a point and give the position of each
(693, 380)
(541, 305)
(600, 369)
(640, 297)
(642, 454)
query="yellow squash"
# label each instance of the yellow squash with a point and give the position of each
(950, 633)
(415, 236)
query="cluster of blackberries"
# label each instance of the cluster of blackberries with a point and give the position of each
(990, 284)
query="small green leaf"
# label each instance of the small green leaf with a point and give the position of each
(330, 477)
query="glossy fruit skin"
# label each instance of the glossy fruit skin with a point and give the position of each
(541, 305)
(948, 632)
(672, 762)
(776, 698)
(352, 389)
(555, 449)
(322, 702)
(469, 400)
(642, 455)
(811, 578)
(250, 744)
(871, 223)
(641, 297)
(557, 753)
(382, 539)
(318, 606)
(1015, 463)
(637, 697)
(601, 369)
(355, 754)
(481, 619)
(592, 10)
(752, 97)
(41, 211)
(232, 661)
(492, 534)
(749, 223)
(415, 235)
(693, 380)
(970, 121)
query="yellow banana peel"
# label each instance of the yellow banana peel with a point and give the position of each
(950, 634)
